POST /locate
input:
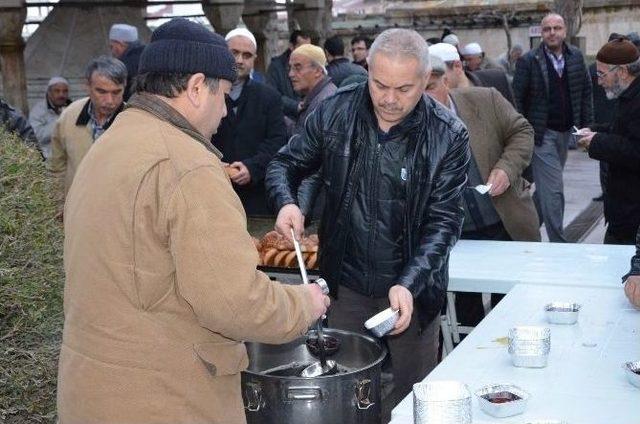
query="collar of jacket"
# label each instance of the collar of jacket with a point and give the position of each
(160, 109)
(85, 117)
(315, 91)
(632, 91)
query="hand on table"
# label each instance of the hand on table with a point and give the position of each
(632, 290)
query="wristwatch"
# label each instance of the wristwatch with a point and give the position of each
(323, 285)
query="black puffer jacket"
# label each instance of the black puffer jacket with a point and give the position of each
(531, 89)
(437, 159)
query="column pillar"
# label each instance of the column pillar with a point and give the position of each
(223, 15)
(12, 17)
(310, 16)
(260, 19)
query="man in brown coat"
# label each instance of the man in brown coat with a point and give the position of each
(161, 282)
(501, 142)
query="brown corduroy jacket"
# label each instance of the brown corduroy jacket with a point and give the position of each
(501, 138)
(161, 283)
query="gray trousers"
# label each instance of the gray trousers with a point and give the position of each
(414, 353)
(547, 165)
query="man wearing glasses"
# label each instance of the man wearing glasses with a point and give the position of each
(618, 68)
(552, 89)
(308, 74)
(253, 130)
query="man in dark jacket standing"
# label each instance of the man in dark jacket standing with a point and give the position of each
(618, 69)
(393, 164)
(278, 78)
(253, 130)
(339, 67)
(125, 46)
(552, 90)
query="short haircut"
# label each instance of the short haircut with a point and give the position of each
(334, 46)
(398, 42)
(168, 85)
(298, 33)
(359, 38)
(107, 67)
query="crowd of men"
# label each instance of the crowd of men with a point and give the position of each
(411, 144)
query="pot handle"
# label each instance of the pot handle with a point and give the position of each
(253, 397)
(304, 393)
(363, 391)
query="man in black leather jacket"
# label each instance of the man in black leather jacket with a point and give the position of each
(393, 165)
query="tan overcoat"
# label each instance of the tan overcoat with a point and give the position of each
(501, 138)
(161, 284)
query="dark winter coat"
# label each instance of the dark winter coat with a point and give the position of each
(532, 93)
(620, 149)
(341, 68)
(252, 134)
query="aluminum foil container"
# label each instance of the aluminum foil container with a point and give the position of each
(562, 312)
(442, 402)
(632, 370)
(494, 400)
(529, 346)
(382, 322)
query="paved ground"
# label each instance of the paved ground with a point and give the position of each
(581, 184)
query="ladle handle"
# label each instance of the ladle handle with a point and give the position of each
(303, 270)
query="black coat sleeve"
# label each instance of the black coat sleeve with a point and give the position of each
(635, 260)
(440, 227)
(521, 83)
(617, 149)
(299, 158)
(275, 136)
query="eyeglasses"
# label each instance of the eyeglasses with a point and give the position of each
(245, 55)
(601, 74)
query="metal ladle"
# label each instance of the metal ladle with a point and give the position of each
(323, 367)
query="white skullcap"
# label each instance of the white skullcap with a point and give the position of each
(444, 51)
(451, 39)
(471, 49)
(242, 32)
(57, 80)
(123, 32)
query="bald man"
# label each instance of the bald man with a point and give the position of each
(552, 90)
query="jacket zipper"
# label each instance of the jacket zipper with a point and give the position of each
(373, 220)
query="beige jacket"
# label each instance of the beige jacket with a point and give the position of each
(161, 284)
(69, 144)
(501, 138)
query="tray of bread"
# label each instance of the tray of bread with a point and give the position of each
(278, 252)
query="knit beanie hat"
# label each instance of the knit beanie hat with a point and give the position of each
(185, 47)
(315, 53)
(620, 51)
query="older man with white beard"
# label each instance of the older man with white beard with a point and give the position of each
(618, 68)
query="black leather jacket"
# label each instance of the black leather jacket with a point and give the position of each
(437, 159)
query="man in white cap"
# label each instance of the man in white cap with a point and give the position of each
(46, 112)
(125, 46)
(253, 130)
(458, 77)
(475, 58)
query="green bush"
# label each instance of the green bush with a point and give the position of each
(31, 286)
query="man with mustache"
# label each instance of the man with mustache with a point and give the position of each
(393, 166)
(618, 68)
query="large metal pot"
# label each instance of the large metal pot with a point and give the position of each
(350, 396)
